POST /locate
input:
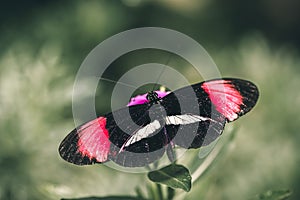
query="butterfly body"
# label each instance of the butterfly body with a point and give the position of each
(138, 135)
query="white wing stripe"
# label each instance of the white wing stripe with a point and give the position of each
(143, 132)
(151, 128)
(184, 119)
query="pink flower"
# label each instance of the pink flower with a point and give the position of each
(142, 99)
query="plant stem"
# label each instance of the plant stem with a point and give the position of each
(171, 193)
(159, 191)
(153, 192)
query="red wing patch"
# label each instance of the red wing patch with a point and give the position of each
(87, 144)
(225, 96)
(93, 140)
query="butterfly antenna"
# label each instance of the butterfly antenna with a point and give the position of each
(118, 82)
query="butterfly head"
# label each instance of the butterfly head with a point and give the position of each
(153, 97)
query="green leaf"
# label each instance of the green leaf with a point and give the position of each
(174, 176)
(274, 195)
(107, 198)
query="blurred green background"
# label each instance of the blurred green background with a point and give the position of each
(44, 42)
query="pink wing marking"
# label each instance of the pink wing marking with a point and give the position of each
(225, 97)
(94, 140)
(142, 99)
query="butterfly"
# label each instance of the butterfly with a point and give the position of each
(139, 134)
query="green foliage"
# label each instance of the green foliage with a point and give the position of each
(174, 176)
(43, 45)
(107, 198)
(274, 195)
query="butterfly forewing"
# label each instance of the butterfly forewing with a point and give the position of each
(198, 122)
(219, 101)
(87, 144)
(231, 97)
(105, 139)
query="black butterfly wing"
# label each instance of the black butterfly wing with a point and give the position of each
(137, 140)
(203, 109)
(108, 138)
